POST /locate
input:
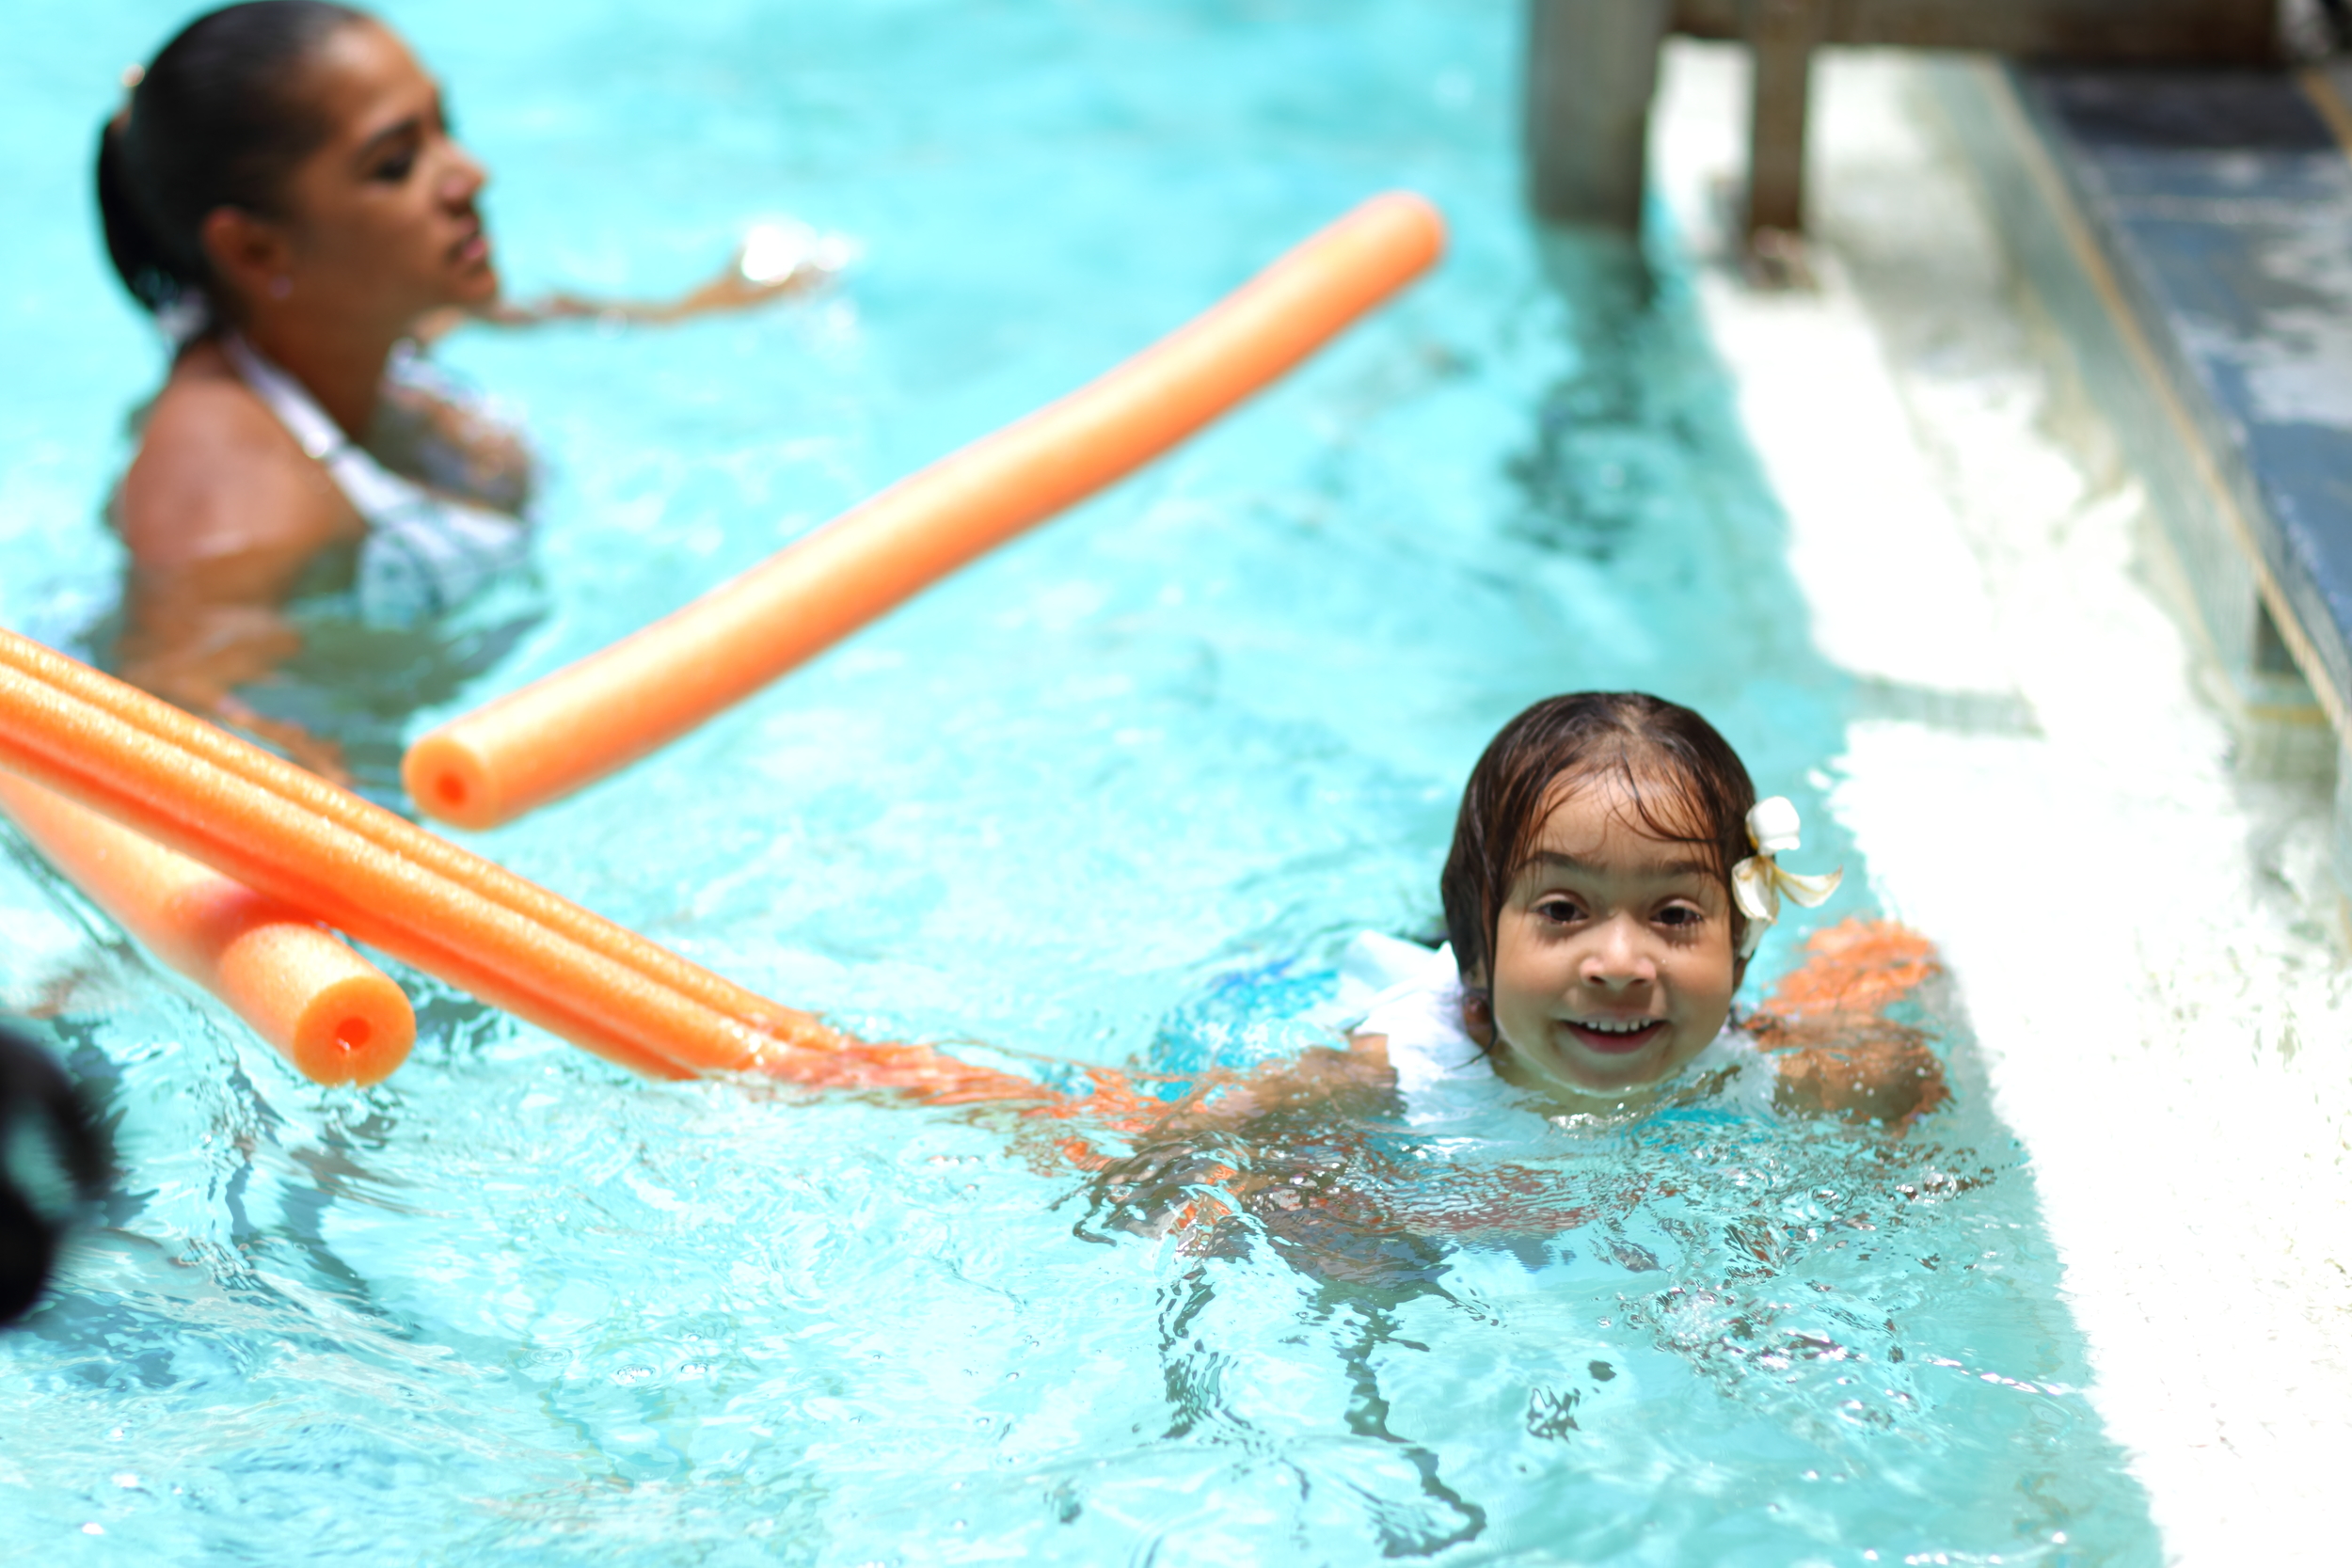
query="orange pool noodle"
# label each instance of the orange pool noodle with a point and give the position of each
(406, 840)
(290, 835)
(269, 843)
(603, 713)
(337, 1017)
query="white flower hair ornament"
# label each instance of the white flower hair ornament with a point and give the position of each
(1758, 882)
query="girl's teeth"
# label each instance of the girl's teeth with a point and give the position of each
(1627, 1027)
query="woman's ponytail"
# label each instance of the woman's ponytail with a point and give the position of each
(219, 120)
(132, 244)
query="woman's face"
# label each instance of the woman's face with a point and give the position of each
(1613, 962)
(383, 226)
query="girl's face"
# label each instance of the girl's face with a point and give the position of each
(1613, 962)
(384, 223)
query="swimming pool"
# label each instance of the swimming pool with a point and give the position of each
(1119, 794)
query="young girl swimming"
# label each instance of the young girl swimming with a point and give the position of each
(1611, 874)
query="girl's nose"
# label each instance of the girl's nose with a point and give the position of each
(1617, 957)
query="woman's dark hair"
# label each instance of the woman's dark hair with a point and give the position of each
(1684, 784)
(38, 1101)
(219, 120)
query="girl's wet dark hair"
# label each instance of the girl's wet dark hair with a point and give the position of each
(1684, 783)
(219, 120)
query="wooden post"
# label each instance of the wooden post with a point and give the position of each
(1781, 36)
(1592, 68)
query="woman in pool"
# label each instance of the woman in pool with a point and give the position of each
(282, 190)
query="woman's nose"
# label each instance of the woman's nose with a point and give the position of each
(462, 177)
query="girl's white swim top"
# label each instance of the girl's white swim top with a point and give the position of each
(426, 552)
(1414, 996)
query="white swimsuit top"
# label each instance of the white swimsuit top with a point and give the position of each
(1414, 996)
(425, 553)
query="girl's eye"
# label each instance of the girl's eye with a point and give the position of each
(394, 169)
(1679, 915)
(1559, 911)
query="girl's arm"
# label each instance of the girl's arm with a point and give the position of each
(1866, 1070)
(1825, 1025)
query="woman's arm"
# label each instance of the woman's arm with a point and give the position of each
(774, 262)
(194, 635)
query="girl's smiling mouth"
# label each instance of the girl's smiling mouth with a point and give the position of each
(1614, 1037)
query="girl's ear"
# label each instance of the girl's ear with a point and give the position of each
(1478, 1011)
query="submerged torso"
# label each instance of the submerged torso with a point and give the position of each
(422, 583)
(441, 485)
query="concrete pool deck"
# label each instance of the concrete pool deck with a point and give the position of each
(2190, 234)
(2142, 930)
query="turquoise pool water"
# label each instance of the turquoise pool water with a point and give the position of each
(1119, 794)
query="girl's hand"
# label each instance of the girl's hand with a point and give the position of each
(1887, 1074)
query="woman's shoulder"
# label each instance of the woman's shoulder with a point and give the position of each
(217, 474)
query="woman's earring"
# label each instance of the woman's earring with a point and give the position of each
(280, 286)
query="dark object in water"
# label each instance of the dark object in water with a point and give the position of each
(48, 1140)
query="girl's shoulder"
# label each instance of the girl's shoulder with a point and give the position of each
(1411, 997)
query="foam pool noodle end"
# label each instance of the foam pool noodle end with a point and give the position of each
(335, 1016)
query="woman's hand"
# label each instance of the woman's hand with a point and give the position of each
(320, 755)
(197, 633)
(196, 650)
